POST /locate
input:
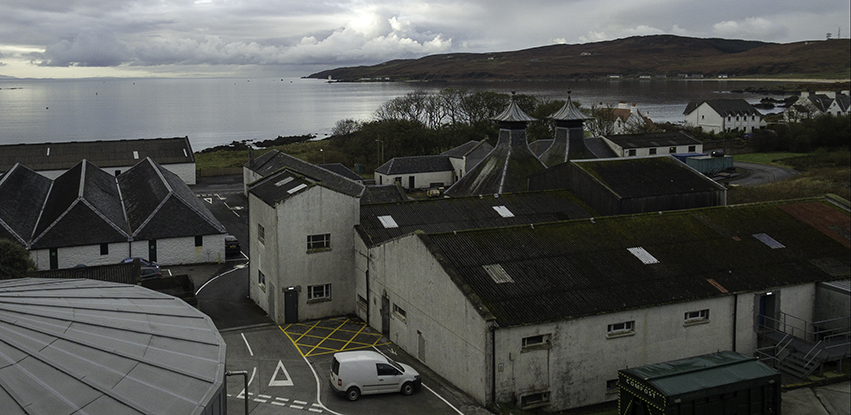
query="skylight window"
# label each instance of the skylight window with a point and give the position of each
(297, 188)
(136, 155)
(284, 181)
(643, 255)
(771, 242)
(388, 222)
(503, 211)
(498, 273)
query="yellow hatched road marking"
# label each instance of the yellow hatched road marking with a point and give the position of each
(326, 337)
(317, 350)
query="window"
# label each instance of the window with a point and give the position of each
(261, 233)
(534, 399)
(261, 278)
(319, 292)
(199, 241)
(322, 241)
(400, 312)
(542, 340)
(362, 301)
(632, 152)
(385, 369)
(104, 249)
(692, 149)
(611, 386)
(700, 316)
(621, 329)
(672, 150)
(652, 151)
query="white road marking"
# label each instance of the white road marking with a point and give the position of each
(246, 344)
(281, 369)
(429, 389)
(318, 390)
(216, 277)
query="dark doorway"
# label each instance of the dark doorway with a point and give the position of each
(385, 315)
(54, 258)
(768, 310)
(152, 250)
(410, 182)
(291, 306)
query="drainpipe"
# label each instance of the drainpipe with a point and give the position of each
(493, 325)
(735, 318)
(244, 374)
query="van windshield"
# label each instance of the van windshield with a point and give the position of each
(396, 365)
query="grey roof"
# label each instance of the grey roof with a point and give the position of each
(725, 107)
(22, 192)
(342, 170)
(585, 267)
(275, 160)
(86, 206)
(102, 153)
(466, 148)
(383, 194)
(513, 114)
(569, 112)
(633, 177)
(84, 346)
(539, 146)
(415, 164)
(453, 214)
(126, 273)
(666, 139)
(598, 147)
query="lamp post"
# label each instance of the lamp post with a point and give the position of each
(322, 151)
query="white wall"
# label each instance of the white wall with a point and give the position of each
(421, 180)
(705, 117)
(263, 255)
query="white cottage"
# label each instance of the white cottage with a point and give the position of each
(723, 115)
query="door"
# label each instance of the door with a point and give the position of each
(54, 258)
(272, 306)
(768, 310)
(385, 315)
(152, 250)
(410, 182)
(291, 306)
(388, 378)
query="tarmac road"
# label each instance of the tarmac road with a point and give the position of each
(760, 174)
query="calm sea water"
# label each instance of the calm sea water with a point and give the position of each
(218, 111)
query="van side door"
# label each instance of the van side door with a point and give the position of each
(388, 377)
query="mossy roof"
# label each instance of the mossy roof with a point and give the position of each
(635, 177)
(584, 267)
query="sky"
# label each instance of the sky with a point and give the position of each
(288, 38)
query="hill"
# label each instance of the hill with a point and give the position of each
(667, 55)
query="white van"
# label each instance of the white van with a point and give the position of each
(366, 372)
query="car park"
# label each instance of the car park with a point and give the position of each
(365, 372)
(148, 269)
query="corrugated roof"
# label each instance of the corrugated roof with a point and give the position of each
(275, 160)
(666, 139)
(584, 267)
(102, 153)
(633, 177)
(74, 346)
(466, 148)
(446, 215)
(342, 170)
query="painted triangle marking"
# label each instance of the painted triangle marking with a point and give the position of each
(208, 200)
(275, 382)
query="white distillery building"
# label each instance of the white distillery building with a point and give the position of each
(544, 315)
(89, 216)
(723, 115)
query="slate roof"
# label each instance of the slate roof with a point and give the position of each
(342, 170)
(598, 147)
(633, 177)
(539, 146)
(569, 112)
(415, 164)
(86, 206)
(102, 153)
(585, 267)
(665, 139)
(725, 107)
(85, 346)
(275, 160)
(22, 192)
(383, 194)
(466, 148)
(445, 215)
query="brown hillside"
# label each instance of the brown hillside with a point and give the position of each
(631, 57)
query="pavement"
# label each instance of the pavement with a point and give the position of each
(834, 399)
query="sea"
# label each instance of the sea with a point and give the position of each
(217, 111)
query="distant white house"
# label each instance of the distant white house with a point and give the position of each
(652, 144)
(810, 105)
(723, 115)
(420, 172)
(624, 119)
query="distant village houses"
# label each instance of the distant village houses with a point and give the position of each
(810, 105)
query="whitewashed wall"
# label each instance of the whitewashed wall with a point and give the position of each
(421, 180)
(263, 255)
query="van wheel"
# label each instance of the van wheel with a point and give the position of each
(407, 388)
(353, 393)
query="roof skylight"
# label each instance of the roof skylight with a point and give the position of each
(284, 181)
(771, 242)
(503, 211)
(498, 273)
(388, 222)
(643, 255)
(297, 188)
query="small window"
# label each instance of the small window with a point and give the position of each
(692, 149)
(400, 312)
(632, 152)
(261, 233)
(261, 278)
(692, 317)
(136, 155)
(321, 241)
(385, 369)
(652, 151)
(319, 292)
(199, 241)
(535, 399)
(362, 301)
(104, 249)
(611, 386)
(621, 329)
(539, 340)
(672, 150)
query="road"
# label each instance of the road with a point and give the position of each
(760, 174)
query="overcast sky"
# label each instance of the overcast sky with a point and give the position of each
(81, 38)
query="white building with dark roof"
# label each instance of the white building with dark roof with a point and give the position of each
(811, 105)
(723, 115)
(101, 348)
(113, 156)
(88, 216)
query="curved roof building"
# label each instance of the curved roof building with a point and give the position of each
(94, 347)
